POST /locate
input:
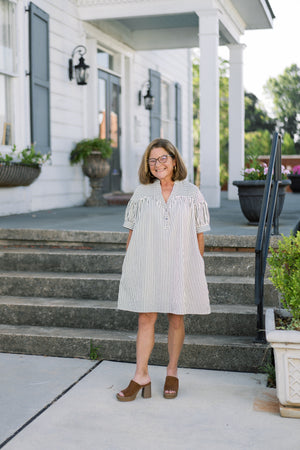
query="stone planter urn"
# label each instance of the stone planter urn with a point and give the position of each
(18, 174)
(295, 182)
(251, 195)
(96, 168)
(286, 346)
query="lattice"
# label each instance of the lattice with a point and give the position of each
(294, 379)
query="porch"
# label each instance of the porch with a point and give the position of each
(227, 220)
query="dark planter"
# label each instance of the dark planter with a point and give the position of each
(96, 168)
(251, 196)
(295, 182)
(17, 174)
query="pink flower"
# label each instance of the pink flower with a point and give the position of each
(265, 170)
(296, 170)
(251, 170)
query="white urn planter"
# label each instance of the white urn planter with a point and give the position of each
(286, 346)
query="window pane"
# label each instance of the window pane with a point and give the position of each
(5, 111)
(104, 60)
(102, 108)
(114, 116)
(7, 36)
(165, 113)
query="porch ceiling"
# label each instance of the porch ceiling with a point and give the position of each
(170, 24)
(165, 31)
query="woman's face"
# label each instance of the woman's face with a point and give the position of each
(163, 170)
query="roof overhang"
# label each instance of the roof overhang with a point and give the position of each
(166, 24)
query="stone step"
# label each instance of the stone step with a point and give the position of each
(61, 260)
(222, 289)
(234, 320)
(228, 353)
(111, 240)
(99, 261)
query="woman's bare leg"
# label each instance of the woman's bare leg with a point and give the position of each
(144, 347)
(175, 342)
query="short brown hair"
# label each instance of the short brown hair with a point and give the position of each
(145, 174)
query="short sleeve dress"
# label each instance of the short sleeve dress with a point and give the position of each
(163, 270)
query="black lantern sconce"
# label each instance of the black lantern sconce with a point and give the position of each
(148, 98)
(81, 69)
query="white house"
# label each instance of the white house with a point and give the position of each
(128, 43)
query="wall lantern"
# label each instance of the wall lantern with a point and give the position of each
(148, 97)
(81, 69)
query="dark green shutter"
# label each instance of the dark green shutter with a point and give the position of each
(39, 78)
(155, 112)
(178, 116)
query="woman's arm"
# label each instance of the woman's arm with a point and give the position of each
(200, 238)
(128, 239)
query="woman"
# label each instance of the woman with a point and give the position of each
(163, 271)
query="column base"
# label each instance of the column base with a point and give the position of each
(212, 195)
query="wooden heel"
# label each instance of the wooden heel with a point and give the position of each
(146, 392)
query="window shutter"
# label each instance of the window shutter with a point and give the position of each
(178, 116)
(155, 112)
(39, 78)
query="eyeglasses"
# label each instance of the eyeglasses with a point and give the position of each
(162, 160)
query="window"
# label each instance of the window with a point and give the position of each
(105, 60)
(165, 110)
(7, 68)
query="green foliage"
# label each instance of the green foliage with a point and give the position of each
(269, 369)
(223, 175)
(285, 273)
(288, 145)
(256, 118)
(257, 143)
(285, 93)
(28, 157)
(85, 147)
(94, 351)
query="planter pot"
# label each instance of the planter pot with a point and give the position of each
(251, 195)
(286, 346)
(295, 182)
(96, 168)
(16, 174)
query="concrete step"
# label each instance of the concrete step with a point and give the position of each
(99, 261)
(234, 320)
(203, 352)
(111, 240)
(223, 290)
(61, 260)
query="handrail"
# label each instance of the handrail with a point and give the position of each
(268, 215)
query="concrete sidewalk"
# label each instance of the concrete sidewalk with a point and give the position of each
(227, 220)
(214, 410)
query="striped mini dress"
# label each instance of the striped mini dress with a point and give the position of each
(163, 270)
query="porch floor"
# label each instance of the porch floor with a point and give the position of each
(226, 220)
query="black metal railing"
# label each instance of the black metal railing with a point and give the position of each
(268, 216)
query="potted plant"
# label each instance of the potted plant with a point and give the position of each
(93, 154)
(251, 189)
(21, 169)
(294, 176)
(283, 325)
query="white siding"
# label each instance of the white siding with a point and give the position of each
(59, 184)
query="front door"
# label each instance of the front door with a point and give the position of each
(109, 125)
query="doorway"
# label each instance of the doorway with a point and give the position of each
(109, 125)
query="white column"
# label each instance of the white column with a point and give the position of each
(236, 119)
(209, 107)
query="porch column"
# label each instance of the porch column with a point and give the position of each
(236, 118)
(209, 107)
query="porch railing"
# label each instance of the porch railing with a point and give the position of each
(268, 216)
